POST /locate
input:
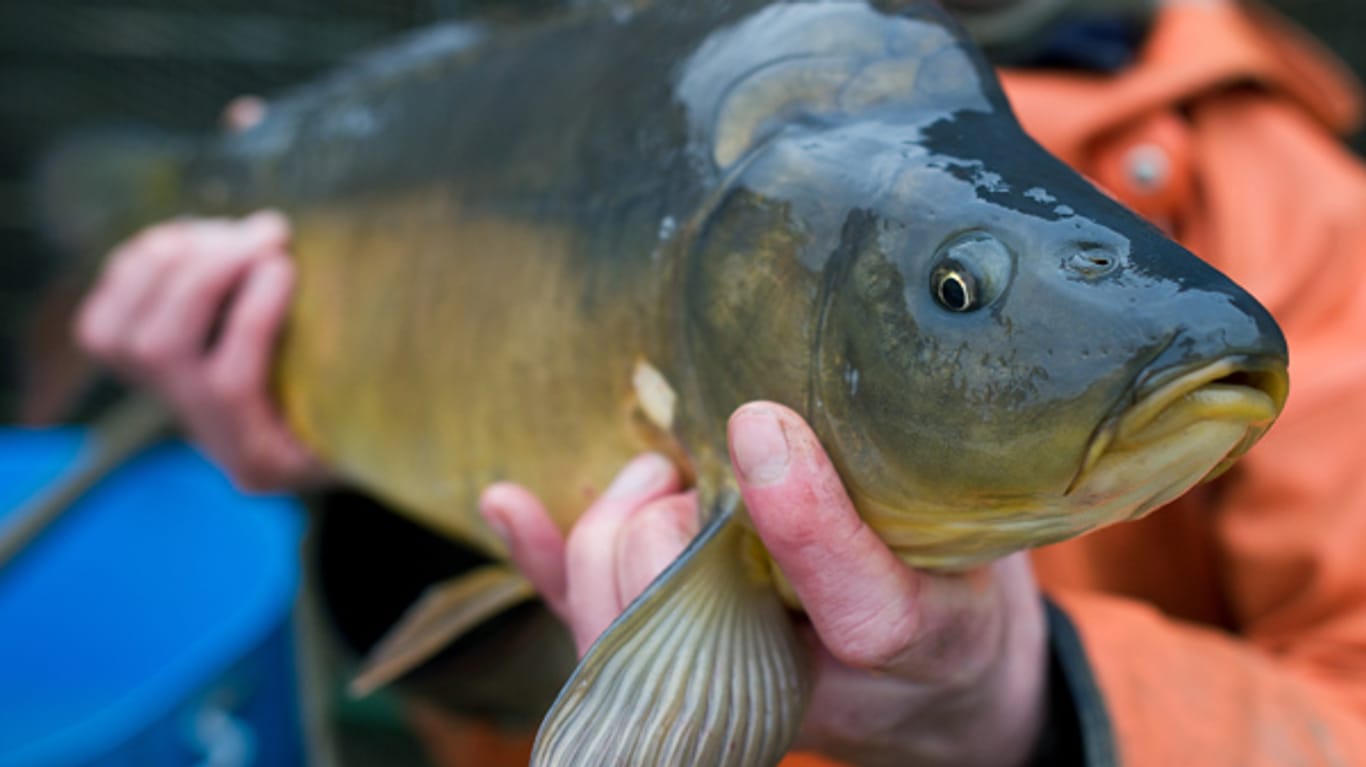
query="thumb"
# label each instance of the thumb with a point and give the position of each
(870, 610)
(861, 599)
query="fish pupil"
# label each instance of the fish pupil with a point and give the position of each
(954, 290)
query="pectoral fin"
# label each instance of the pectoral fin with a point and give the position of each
(703, 668)
(439, 617)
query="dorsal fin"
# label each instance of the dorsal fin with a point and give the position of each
(805, 62)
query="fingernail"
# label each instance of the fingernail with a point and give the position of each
(638, 476)
(759, 447)
(497, 521)
(266, 223)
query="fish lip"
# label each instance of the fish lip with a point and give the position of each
(1155, 390)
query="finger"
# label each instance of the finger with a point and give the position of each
(272, 458)
(592, 597)
(116, 304)
(534, 543)
(861, 599)
(243, 112)
(228, 407)
(178, 322)
(651, 539)
(237, 369)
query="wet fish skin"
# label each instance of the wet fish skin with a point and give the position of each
(958, 435)
(732, 192)
(813, 203)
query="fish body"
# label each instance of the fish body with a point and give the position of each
(493, 234)
(532, 254)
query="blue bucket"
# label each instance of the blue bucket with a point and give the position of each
(150, 626)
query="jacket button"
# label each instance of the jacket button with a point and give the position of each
(1149, 167)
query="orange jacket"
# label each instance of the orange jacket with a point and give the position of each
(1228, 628)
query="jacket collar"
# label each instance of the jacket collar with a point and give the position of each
(1194, 47)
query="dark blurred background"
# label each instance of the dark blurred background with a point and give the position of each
(174, 64)
(72, 64)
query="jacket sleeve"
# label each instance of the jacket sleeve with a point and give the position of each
(1281, 208)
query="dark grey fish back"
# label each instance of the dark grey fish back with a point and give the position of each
(548, 114)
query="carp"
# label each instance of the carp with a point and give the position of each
(532, 253)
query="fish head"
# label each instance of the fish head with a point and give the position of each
(995, 353)
(1006, 357)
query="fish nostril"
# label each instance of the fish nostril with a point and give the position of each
(1091, 260)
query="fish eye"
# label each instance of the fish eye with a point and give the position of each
(955, 287)
(970, 271)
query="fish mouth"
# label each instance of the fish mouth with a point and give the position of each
(1247, 389)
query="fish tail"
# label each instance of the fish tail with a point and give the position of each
(97, 188)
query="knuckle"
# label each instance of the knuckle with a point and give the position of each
(229, 386)
(271, 224)
(255, 469)
(864, 651)
(872, 640)
(149, 350)
(590, 546)
(585, 543)
(161, 240)
(671, 516)
(96, 338)
(799, 535)
(282, 266)
(252, 326)
(124, 264)
(250, 477)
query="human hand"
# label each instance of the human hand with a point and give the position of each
(191, 310)
(911, 667)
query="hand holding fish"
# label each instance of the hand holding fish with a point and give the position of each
(190, 309)
(911, 666)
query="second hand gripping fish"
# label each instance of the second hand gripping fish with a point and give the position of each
(531, 255)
